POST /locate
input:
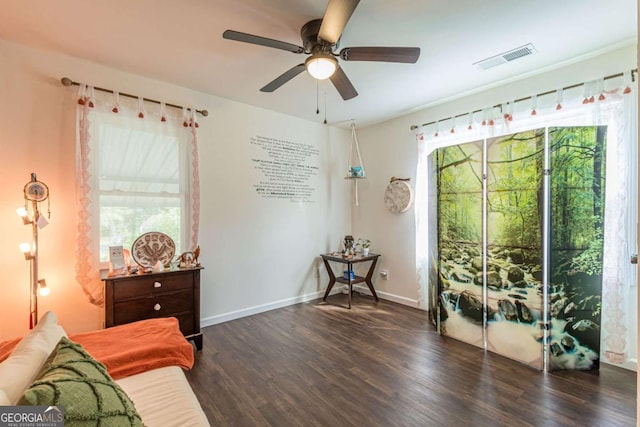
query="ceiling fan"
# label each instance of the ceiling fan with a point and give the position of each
(320, 39)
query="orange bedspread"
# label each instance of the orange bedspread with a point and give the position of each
(132, 348)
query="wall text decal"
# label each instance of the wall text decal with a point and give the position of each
(288, 170)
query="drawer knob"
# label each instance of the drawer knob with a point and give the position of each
(157, 307)
(157, 284)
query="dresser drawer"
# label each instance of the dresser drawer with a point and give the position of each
(144, 286)
(174, 293)
(153, 306)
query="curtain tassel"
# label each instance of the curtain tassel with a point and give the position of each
(184, 117)
(163, 112)
(92, 95)
(82, 95)
(116, 102)
(141, 108)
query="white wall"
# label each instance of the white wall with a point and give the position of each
(263, 253)
(257, 253)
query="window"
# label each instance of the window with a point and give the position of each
(137, 171)
(139, 186)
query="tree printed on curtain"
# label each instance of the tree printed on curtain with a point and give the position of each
(508, 270)
(515, 189)
(577, 235)
(460, 262)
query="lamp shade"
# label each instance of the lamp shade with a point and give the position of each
(43, 289)
(321, 66)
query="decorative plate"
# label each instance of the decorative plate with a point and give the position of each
(152, 247)
(398, 196)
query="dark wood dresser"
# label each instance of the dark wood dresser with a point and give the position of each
(171, 293)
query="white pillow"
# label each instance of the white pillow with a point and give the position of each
(4, 400)
(20, 369)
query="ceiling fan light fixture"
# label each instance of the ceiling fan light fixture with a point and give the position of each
(321, 66)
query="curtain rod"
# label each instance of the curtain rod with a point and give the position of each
(549, 92)
(66, 81)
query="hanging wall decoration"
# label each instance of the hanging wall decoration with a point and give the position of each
(356, 168)
(398, 196)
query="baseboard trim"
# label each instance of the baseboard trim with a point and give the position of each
(389, 297)
(232, 315)
(237, 314)
(631, 364)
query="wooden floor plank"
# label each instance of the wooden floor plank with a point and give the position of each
(383, 364)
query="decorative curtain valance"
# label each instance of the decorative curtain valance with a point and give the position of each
(498, 119)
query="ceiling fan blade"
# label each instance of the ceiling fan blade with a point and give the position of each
(262, 41)
(343, 84)
(335, 19)
(407, 55)
(283, 78)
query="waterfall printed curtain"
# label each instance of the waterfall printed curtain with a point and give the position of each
(460, 276)
(583, 315)
(503, 291)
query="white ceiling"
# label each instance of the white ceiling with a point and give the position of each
(181, 42)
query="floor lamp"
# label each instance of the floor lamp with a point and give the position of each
(35, 192)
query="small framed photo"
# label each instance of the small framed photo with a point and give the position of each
(116, 259)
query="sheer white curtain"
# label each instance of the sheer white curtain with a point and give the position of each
(589, 105)
(421, 203)
(136, 171)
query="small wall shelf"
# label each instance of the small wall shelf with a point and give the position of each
(355, 171)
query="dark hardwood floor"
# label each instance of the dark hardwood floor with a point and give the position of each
(319, 364)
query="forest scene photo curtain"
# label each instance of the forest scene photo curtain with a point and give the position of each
(520, 238)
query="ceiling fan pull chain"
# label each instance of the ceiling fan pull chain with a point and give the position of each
(325, 106)
(317, 104)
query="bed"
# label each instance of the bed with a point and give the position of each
(126, 375)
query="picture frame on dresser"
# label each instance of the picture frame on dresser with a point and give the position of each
(170, 293)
